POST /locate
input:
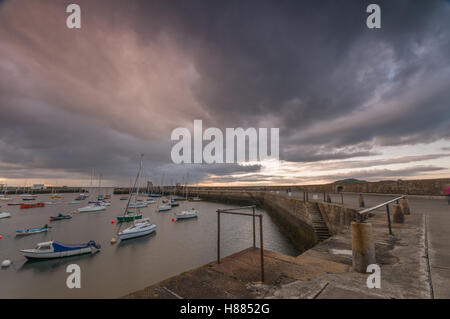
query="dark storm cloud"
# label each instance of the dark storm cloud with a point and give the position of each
(99, 96)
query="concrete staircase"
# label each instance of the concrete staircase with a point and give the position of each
(319, 225)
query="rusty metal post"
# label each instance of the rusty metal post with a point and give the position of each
(324, 197)
(389, 219)
(254, 231)
(304, 196)
(342, 198)
(218, 236)
(307, 197)
(262, 248)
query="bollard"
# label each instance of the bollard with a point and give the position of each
(399, 218)
(405, 207)
(328, 198)
(361, 201)
(363, 247)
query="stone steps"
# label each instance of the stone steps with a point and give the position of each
(319, 225)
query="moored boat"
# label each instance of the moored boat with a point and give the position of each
(195, 199)
(4, 215)
(59, 217)
(164, 207)
(140, 228)
(138, 204)
(32, 205)
(186, 214)
(91, 208)
(53, 249)
(129, 217)
(31, 231)
(174, 203)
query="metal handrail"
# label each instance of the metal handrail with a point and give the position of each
(368, 210)
(388, 214)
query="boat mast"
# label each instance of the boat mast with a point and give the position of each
(134, 186)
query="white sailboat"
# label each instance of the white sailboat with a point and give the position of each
(186, 214)
(140, 227)
(164, 207)
(91, 208)
(94, 206)
(4, 215)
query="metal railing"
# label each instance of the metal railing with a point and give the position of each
(232, 211)
(366, 211)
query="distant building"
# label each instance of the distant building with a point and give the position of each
(38, 187)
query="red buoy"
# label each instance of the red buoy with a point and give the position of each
(173, 219)
(112, 221)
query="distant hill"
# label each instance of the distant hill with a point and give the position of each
(349, 180)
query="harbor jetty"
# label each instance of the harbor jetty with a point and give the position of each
(409, 251)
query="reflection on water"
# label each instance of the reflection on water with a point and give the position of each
(127, 266)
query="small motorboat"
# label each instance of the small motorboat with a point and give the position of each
(164, 207)
(138, 204)
(31, 231)
(32, 205)
(187, 214)
(123, 198)
(74, 202)
(150, 201)
(53, 249)
(104, 203)
(107, 197)
(15, 204)
(91, 208)
(59, 217)
(4, 215)
(195, 199)
(174, 203)
(139, 228)
(55, 196)
(155, 195)
(4, 198)
(51, 203)
(29, 198)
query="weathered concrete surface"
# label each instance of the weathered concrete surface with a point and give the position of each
(322, 272)
(438, 228)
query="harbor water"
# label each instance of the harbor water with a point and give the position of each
(126, 266)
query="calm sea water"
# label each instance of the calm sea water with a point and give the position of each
(124, 267)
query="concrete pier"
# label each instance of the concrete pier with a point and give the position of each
(324, 271)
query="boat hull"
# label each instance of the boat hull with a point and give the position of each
(91, 209)
(61, 254)
(128, 235)
(31, 232)
(4, 215)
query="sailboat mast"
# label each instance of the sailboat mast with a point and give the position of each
(134, 186)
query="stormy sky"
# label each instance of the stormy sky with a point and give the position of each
(350, 102)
